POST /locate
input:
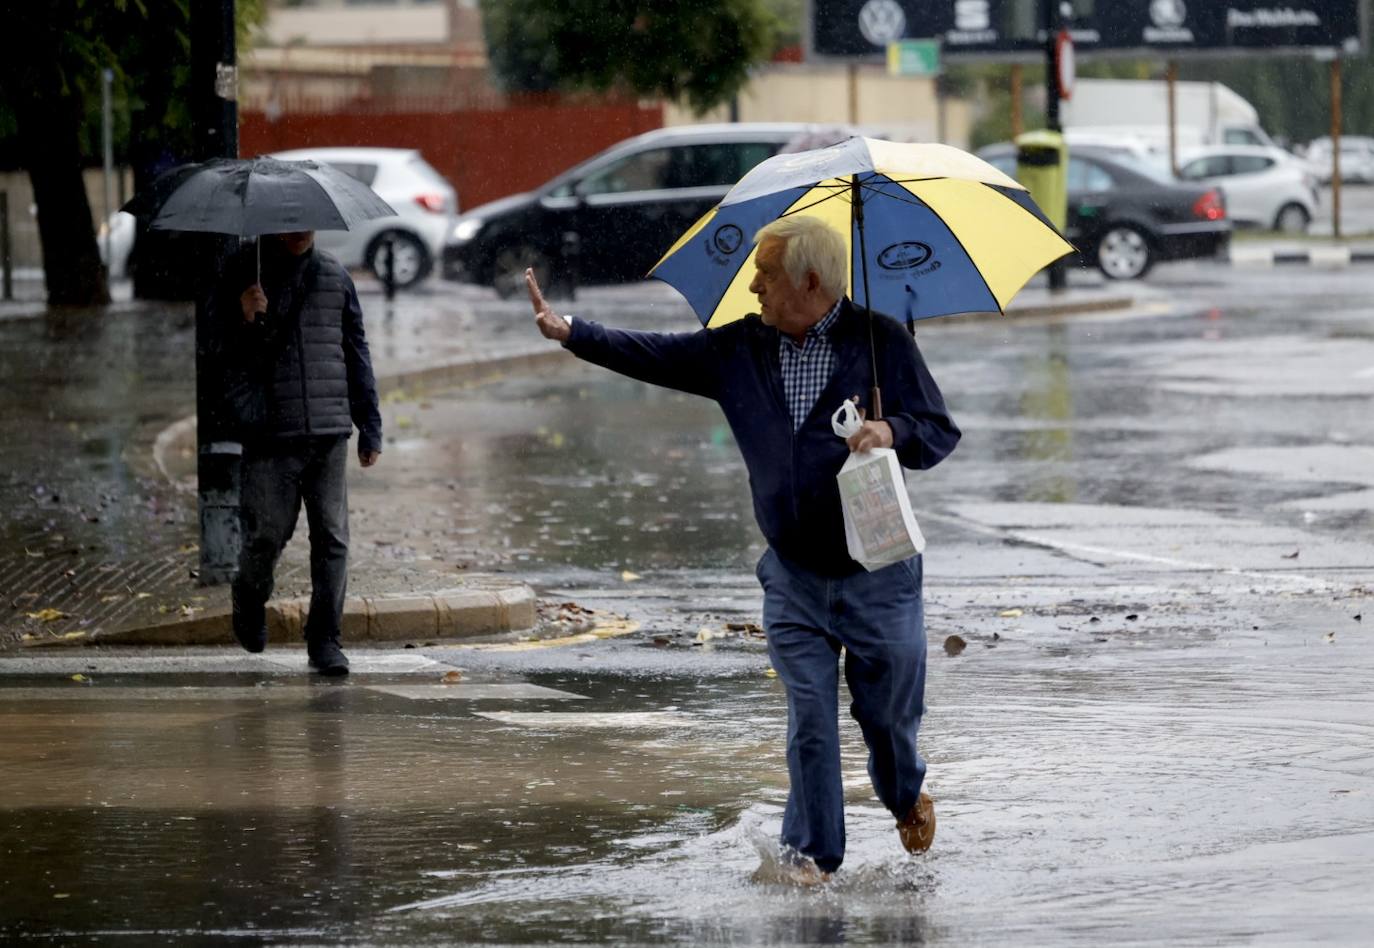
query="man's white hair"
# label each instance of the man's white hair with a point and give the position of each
(811, 244)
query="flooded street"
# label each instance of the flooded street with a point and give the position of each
(1148, 607)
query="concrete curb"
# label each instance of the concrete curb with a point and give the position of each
(1101, 304)
(451, 614)
(1300, 256)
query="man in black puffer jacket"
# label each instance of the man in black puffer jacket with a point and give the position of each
(297, 377)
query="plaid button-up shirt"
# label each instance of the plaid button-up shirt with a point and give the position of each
(806, 368)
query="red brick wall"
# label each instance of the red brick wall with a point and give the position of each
(485, 154)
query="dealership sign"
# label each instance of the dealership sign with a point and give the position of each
(1013, 29)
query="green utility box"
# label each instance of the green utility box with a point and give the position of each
(1042, 165)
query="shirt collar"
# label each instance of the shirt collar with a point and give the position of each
(828, 320)
(820, 328)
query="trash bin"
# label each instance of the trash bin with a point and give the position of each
(1042, 165)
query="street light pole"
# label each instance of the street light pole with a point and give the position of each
(214, 122)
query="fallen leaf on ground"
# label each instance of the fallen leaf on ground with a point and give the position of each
(1011, 614)
(770, 673)
(81, 678)
(954, 645)
(452, 677)
(47, 615)
(627, 576)
(1292, 556)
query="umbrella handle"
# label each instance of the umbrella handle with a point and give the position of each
(876, 399)
(257, 279)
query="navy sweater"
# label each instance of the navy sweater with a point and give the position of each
(791, 475)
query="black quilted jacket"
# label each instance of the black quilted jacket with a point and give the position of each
(303, 369)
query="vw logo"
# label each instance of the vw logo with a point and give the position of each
(882, 22)
(904, 256)
(1168, 14)
(727, 238)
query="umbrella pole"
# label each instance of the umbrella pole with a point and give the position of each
(875, 395)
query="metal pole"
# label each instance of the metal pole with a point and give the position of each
(1336, 147)
(1171, 92)
(1018, 124)
(214, 120)
(107, 140)
(1049, 12)
(853, 94)
(6, 262)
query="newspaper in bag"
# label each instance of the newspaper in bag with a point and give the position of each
(879, 527)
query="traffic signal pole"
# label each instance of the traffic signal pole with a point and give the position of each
(214, 121)
(1049, 18)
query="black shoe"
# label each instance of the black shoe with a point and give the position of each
(327, 658)
(252, 639)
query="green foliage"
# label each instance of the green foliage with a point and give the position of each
(698, 53)
(145, 43)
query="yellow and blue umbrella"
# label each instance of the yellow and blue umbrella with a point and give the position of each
(933, 231)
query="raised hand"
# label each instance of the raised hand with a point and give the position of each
(552, 325)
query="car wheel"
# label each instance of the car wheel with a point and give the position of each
(508, 271)
(411, 258)
(1292, 219)
(1124, 253)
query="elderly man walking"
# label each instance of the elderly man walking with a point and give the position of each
(778, 377)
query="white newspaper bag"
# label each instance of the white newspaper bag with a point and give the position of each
(879, 527)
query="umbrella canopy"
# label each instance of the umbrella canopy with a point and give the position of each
(933, 231)
(252, 196)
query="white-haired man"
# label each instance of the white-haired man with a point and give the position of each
(778, 377)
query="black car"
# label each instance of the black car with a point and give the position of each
(611, 218)
(1125, 215)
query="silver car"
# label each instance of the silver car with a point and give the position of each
(426, 207)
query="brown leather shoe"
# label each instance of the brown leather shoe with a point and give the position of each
(917, 829)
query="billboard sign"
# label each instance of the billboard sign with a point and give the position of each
(1011, 29)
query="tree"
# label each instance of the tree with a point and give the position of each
(699, 53)
(50, 112)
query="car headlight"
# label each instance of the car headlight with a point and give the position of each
(467, 228)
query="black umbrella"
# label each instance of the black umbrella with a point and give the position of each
(248, 197)
(251, 196)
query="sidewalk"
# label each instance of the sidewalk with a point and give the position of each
(98, 540)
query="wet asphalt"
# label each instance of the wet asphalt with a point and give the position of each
(1148, 583)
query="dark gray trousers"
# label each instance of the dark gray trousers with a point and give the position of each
(277, 478)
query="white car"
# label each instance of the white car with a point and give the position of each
(1264, 187)
(426, 207)
(1357, 159)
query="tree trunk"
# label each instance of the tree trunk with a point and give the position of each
(49, 119)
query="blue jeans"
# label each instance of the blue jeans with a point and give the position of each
(278, 477)
(878, 620)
